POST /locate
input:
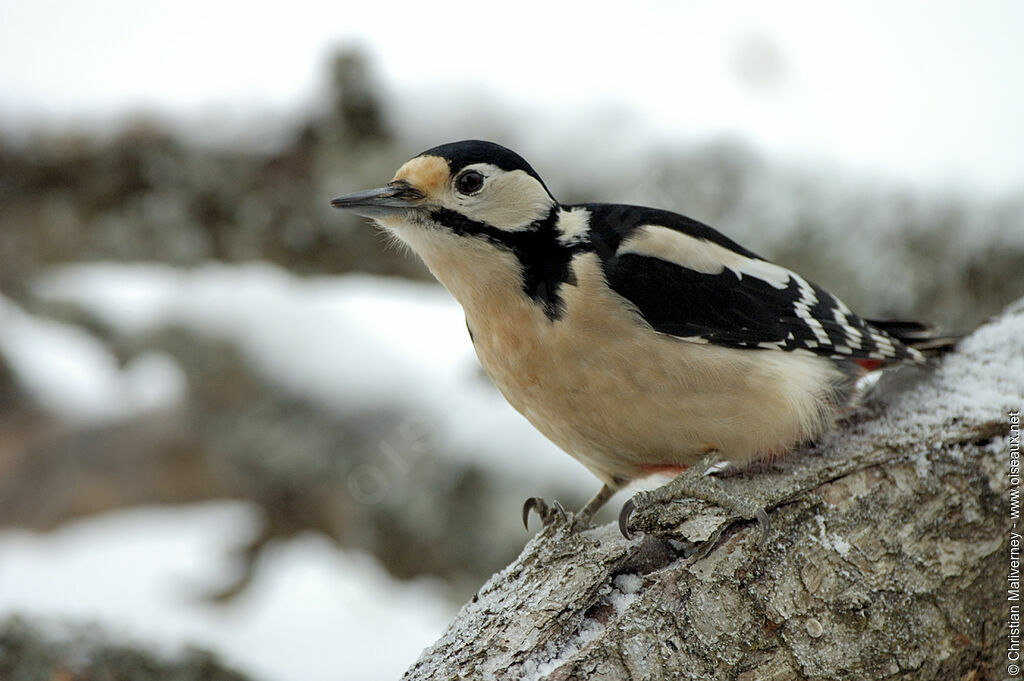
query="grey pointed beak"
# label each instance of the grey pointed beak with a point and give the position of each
(395, 198)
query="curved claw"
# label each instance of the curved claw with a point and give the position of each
(764, 523)
(549, 514)
(531, 504)
(624, 514)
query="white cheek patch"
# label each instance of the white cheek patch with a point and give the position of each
(511, 201)
(700, 255)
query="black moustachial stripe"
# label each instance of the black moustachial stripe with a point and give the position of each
(544, 260)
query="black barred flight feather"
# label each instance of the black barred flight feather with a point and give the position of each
(751, 304)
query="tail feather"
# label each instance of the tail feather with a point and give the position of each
(926, 338)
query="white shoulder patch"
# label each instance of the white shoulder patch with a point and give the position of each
(700, 255)
(573, 225)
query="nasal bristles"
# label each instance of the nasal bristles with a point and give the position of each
(405, 191)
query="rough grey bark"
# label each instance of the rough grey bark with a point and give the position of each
(887, 559)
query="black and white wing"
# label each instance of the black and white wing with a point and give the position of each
(690, 281)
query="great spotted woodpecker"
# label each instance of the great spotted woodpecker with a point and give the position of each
(636, 339)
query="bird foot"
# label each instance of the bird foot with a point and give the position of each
(694, 485)
(552, 514)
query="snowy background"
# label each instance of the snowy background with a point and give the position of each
(923, 91)
(232, 419)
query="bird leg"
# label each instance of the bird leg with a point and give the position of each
(586, 514)
(694, 484)
(554, 513)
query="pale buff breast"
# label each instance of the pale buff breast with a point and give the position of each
(610, 391)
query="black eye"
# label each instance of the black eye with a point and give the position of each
(469, 182)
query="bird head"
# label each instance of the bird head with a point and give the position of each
(481, 219)
(471, 188)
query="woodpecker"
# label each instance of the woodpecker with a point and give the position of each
(636, 339)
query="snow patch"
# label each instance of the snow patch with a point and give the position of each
(624, 593)
(980, 382)
(68, 371)
(312, 611)
(589, 630)
(620, 594)
(349, 343)
(922, 464)
(628, 584)
(830, 540)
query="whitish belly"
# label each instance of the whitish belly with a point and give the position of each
(623, 413)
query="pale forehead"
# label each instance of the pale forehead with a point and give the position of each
(427, 173)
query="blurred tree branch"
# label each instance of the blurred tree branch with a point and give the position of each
(887, 559)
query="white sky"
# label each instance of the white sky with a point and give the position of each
(927, 91)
